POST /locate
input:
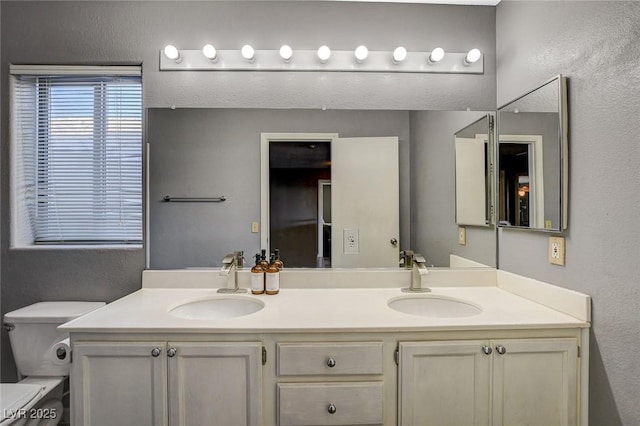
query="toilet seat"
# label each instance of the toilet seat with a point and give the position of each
(15, 397)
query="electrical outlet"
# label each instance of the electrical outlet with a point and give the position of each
(351, 241)
(462, 235)
(556, 250)
(255, 227)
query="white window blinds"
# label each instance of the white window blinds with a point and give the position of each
(77, 144)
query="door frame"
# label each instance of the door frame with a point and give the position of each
(321, 184)
(265, 198)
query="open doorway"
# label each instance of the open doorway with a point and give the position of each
(364, 199)
(521, 182)
(296, 225)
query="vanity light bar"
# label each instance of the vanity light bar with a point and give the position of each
(362, 60)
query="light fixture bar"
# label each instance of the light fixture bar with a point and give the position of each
(307, 60)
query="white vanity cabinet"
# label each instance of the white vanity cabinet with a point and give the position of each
(166, 383)
(481, 382)
(330, 383)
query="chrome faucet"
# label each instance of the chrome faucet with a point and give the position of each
(418, 265)
(230, 265)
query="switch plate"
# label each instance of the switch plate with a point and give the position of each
(462, 235)
(255, 227)
(556, 251)
(351, 241)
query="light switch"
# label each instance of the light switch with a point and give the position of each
(255, 227)
(462, 235)
(556, 250)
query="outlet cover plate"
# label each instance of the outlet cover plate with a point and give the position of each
(556, 251)
(351, 241)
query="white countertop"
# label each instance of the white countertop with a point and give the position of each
(320, 310)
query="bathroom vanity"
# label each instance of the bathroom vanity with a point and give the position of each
(483, 347)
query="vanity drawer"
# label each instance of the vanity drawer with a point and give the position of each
(320, 404)
(329, 358)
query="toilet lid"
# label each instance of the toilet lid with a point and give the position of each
(14, 396)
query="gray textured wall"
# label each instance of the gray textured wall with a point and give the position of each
(434, 232)
(217, 152)
(597, 46)
(133, 32)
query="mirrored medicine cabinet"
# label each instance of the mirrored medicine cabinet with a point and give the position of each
(474, 150)
(532, 161)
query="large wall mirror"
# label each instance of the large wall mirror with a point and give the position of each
(474, 165)
(532, 176)
(209, 153)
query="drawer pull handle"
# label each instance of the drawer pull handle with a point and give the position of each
(331, 408)
(331, 362)
(501, 349)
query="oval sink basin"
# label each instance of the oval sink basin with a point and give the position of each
(217, 308)
(434, 306)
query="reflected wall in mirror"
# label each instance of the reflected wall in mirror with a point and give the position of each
(474, 163)
(533, 159)
(434, 231)
(211, 152)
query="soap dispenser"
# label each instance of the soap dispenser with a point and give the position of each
(272, 281)
(257, 277)
(278, 262)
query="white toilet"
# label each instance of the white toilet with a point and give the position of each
(43, 356)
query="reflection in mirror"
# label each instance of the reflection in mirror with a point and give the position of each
(208, 152)
(474, 147)
(532, 159)
(434, 231)
(362, 173)
(296, 170)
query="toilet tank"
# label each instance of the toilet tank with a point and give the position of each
(32, 333)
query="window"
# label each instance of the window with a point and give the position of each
(77, 155)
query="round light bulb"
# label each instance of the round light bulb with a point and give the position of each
(286, 52)
(324, 53)
(436, 55)
(399, 54)
(209, 52)
(248, 52)
(361, 53)
(171, 52)
(472, 56)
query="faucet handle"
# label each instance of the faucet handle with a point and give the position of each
(239, 256)
(407, 256)
(228, 258)
(417, 257)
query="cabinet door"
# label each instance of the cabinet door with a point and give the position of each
(535, 382)
(119, 384)
(444, 383)
(215, 383)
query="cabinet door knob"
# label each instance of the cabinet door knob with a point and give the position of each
(331, 362)
(155, 352)
(394, 242)
(501, 349)
(331, 408)
(171, 352)
(486, 350)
